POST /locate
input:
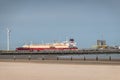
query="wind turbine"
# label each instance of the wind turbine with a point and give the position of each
(8, 39)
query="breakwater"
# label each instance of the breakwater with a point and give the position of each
(83, 51)
(96, 55)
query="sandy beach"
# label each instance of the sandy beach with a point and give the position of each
(40, 71)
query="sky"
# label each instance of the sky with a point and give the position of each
(55, 20)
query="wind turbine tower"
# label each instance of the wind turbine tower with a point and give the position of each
(8, 39)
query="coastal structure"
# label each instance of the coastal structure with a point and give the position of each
(101, 44)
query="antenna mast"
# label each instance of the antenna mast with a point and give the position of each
(102, 36)
(8, 39)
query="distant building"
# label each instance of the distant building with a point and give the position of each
(119, 47)
(101, 44)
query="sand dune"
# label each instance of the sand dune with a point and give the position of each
(38, 71)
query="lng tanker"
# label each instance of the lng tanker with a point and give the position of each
(66, 45)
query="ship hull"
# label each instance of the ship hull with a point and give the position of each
(41, 49)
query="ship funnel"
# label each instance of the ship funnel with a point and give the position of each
(71, 40)
(72, 43)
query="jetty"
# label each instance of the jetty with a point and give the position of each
(82, 51)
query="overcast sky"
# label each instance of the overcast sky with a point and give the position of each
(48, 20)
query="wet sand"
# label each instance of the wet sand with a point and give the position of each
(55, 71)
